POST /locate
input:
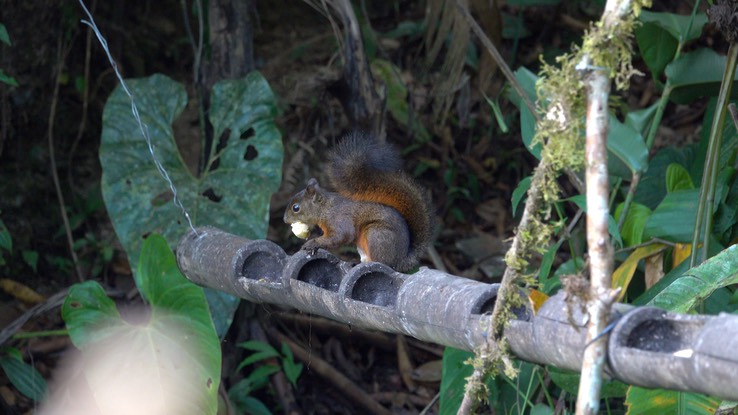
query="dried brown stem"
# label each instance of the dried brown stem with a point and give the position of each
(85, 101)
(51, 303)
(62, 53)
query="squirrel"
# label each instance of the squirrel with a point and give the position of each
(376, 206)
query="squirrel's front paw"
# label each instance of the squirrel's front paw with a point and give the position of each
(311, 247)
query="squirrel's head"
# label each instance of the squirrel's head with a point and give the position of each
(305, 207)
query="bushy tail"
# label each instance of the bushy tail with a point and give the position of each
(357, 155)
(361, 168)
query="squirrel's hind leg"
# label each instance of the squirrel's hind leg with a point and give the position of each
(381, 244)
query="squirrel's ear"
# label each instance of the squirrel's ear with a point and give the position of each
(313, 189)
(312, 185)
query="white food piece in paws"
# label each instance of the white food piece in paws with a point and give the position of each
(301, 230)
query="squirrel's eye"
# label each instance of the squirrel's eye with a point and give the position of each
(296, 207)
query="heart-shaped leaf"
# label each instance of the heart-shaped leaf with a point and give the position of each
(233, 192)
(169, 353)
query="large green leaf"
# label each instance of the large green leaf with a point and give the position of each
(527, 80)
(651, 190)
(175, 343)
(675, 24)
(90, 315)
(673, 219)
(658, 401)
(633, 225)
(640, 120)
(453, 379)
(628, 146)
(700, 282)
(4, 37)
(696, 74)
(676, 273)
(178, 301)
(232, 194)
(657, 47)
(677, 178)
(660, 34)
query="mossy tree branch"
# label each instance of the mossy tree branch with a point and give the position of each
(561, 102)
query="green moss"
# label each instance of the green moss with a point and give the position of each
(562, 107)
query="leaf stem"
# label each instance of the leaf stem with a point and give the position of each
(703, 221)
(42, 333)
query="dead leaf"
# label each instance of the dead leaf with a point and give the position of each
(654, 269)
(429, 372)
(404, 363)
(624, 273)
(21, 291)
(681, 252)
(537, 298)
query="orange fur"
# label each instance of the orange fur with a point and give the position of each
(393, 199)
